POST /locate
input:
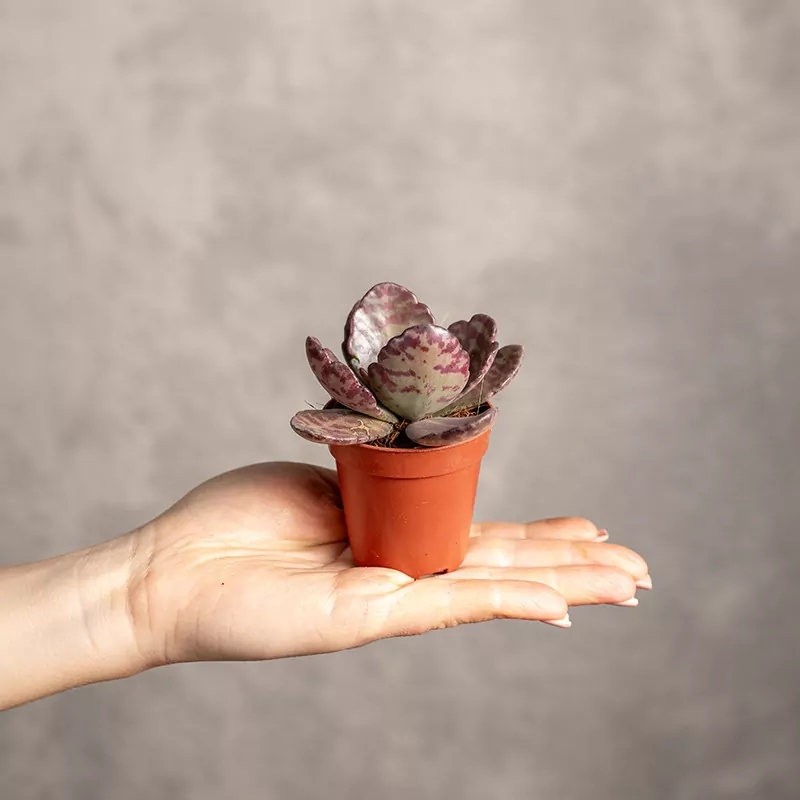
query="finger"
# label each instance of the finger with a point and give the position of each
(578, 585)
(574, 528)
(444, 602)
(490, 552)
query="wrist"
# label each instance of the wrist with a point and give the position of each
(66, 622)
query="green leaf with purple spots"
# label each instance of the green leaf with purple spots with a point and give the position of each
(384, 312)
(441, 431)
(339, 426)
(341, 384)
(419, 372)
(478, 337)
(503, 370)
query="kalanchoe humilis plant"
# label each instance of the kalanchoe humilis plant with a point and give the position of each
(404, 374)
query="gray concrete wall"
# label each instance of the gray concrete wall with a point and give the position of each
(189, 188)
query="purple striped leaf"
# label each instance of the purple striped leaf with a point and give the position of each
(420, 371)
(478, 337)
(338, 426)
(385, 311)
(441, 431)
(503, 370)
(341, 384)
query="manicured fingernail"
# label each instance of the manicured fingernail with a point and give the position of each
(564, 622)
(602, 535)
(633, 602)
(645, 583)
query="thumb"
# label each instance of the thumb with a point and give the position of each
(446, 601)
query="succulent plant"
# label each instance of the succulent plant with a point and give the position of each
(403, 374)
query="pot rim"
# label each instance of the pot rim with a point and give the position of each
(407, 450)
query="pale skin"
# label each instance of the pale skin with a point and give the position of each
(254, 565)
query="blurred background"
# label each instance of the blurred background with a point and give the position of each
(188, 189)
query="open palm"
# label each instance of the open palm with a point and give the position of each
(254, 564)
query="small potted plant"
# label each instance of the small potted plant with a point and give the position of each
(408, 424)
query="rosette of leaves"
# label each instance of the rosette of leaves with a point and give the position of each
(404, 375)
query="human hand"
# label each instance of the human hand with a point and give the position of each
(254, 564)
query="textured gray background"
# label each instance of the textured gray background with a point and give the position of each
(189, 188)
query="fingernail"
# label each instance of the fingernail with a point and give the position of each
(564, 622)
(632, 603)
(645, 583)
(602, 535)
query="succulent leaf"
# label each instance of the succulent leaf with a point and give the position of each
(338, 426)
(385, 311)
(478, 337)
(441, 431)
(503, 370)
(419, 372)
(341, 384)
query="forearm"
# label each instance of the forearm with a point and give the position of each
(65, 622)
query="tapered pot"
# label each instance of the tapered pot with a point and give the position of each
(410, 509)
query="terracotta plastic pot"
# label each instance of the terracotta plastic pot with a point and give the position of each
(410, 509)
